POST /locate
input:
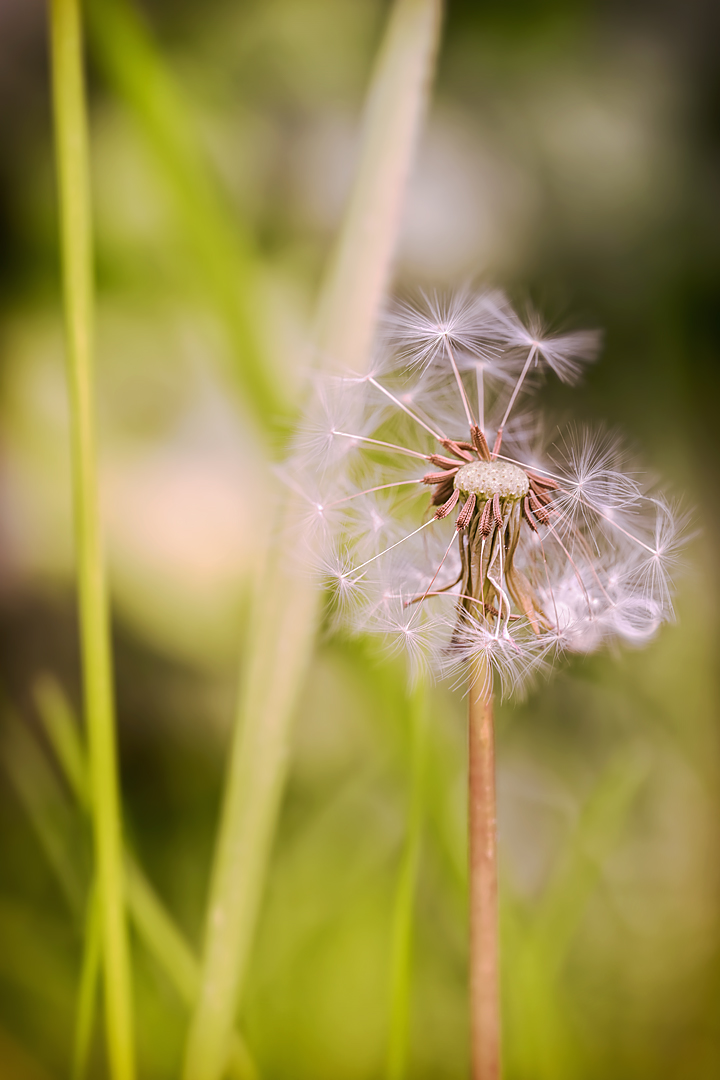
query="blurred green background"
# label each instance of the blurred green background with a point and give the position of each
(571, 154)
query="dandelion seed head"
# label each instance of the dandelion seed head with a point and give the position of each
(471, 542)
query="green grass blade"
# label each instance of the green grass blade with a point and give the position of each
(159, 934)
(40, 794)
(360, 267)
(154, 924)
(71, 142)
(88, 988)
(286, 605)
(403, 913)
(135, 69)
(171, 951)
(63, 734)
(257, 772)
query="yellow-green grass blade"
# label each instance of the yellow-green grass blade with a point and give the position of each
(63, 734)
(71, 144)
(88, 987)
(217, 241)
(286, 607)
(361, 264)
(39, 792)
(153, 923)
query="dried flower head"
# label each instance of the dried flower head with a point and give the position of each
(524, 550)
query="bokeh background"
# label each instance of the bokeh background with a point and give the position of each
(571, 154)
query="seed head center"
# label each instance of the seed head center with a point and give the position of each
(488, 478)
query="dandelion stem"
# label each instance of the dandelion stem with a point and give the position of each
(482, 862)
(75, 227)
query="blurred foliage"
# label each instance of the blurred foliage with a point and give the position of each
(571, 152)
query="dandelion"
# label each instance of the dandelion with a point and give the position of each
(523, 551)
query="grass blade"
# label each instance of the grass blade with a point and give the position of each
(286, 605)
(139, 75)
(360, 266)
(63, 735)
(38, 790)
(257, 770)
(87, 990)
(154, 924)
(71, 142)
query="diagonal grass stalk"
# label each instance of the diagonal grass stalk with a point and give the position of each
(87, 989)
(37, 790)
(361, 263)
(61, 729)
(155, 927)
(404, 907)
(123, 46)
(286, 608)
(71, 141)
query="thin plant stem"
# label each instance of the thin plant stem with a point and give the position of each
(286, 607)
(361, 263)
(482, 868)
(221, 245)
(71, 140)
(87, 989)
(166, 943)
(155, 927)
(256, 780)
(60, 726)
(401, 948)
(36, 786)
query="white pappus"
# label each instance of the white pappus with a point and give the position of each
(523, 550)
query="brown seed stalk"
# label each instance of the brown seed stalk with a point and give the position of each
(482, 866)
